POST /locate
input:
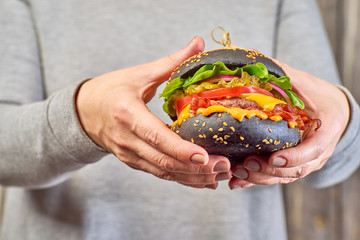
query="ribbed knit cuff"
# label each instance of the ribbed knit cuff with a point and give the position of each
(65, 124)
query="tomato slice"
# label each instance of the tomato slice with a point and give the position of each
(218, 94)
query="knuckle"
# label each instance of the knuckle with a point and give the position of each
(286, 180)
(302, 171)
(319, 150)
(121, 112)
(274, 171)
(152, 136)
(165, 175)
(164, 163)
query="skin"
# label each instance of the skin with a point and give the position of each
(311, 154)
(112, 111)
(106, 104)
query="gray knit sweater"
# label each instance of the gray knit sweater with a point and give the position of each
(63, 186)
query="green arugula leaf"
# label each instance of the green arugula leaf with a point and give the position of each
(295, 99)
(208, 71)
(219, 69)
(258, 69)
(171, 87)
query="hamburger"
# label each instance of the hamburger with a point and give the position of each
(235, 102)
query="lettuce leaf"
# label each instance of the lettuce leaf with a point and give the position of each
(219, 69)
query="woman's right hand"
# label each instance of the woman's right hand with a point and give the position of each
(112, 110)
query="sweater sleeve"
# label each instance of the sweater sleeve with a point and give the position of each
(41, 139)
(303, 44)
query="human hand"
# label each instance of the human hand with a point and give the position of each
(112, 111)
(323, 101)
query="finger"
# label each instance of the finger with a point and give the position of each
(155, 133)
(160, 70)
(260, 164)
(235, 183)
(314, 146)
(183, 178)
(166, 65)
(210, 186)
(259, 178)
(205, 180)
(170, 164)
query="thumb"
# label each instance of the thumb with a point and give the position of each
(161, 69)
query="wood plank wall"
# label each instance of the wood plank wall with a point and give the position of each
(332, 213)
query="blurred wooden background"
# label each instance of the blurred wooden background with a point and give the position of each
(332, 213)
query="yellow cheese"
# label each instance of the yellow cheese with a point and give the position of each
(265, 102)
(237, 113)
(184, 114)
(275, 118)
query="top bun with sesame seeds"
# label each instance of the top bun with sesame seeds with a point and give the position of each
(235, 102)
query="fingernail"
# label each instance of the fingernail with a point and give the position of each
(191, 41)
(222, 177)
(197, 158)
(253, 165)
(279, 162)
(241, 173)
(212, 186)
(221, 167)
(235, 187)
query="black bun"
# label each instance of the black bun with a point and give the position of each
(225, 135)
(220, 133)
(230, 57)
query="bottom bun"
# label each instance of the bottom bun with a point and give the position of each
(220, 133)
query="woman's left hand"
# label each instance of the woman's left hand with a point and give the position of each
(323, 101)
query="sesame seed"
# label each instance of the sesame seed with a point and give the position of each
(197, 121)
(199, 130)
(177, 131)
(178, 71)
(204, 136)
(204, 124)
(225, 124)
(232, 128)
(187, 65)
(270, 130)
(195, 124)
(257, 145)
(211, 130)
(226, 137)
(247, 145)
(225, 142)
(215, 136)
(219, 115)
(241, 137)
(201, 136)
(192, 140)
(220, 129)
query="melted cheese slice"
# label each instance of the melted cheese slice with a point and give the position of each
(263, 101)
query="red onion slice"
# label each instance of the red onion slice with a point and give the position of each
(281, 91)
